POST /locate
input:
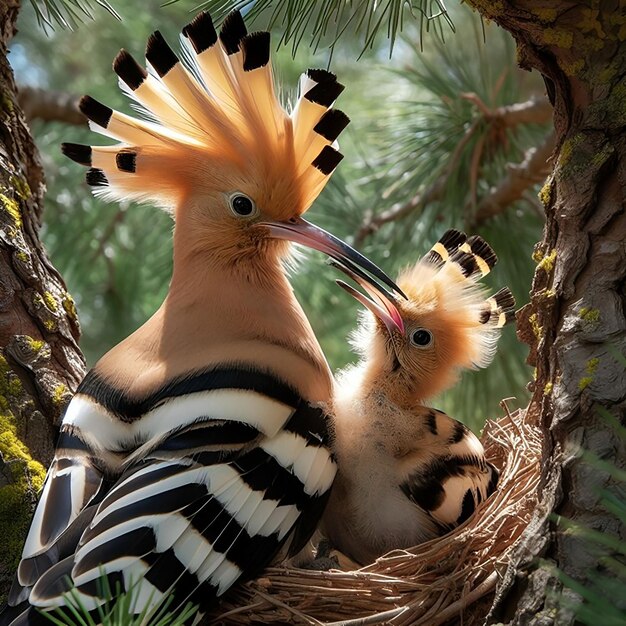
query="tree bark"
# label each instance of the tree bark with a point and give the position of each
(40, 362)
(575, 322)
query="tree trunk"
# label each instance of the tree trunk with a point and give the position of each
(40, 362)
(575, 323)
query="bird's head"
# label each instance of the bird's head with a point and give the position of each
(217, 149)
(446, 323)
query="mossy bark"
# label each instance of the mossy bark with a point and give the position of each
(575, 323)
(40, 362)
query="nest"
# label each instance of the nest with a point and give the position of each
(432, 584)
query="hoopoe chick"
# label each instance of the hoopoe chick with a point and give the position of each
(407, 472)
(197, 450)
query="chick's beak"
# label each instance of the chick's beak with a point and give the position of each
(306, 234)
(380, 302)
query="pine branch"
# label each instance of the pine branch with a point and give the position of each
(520, 177)
(49, 106)
(537, 110)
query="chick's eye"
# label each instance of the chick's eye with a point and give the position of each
(421, 338)
(241, 205)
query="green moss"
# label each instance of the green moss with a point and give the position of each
(6, 104)
(26, 473)
(558, 37)
(610, 112)
(590, 367)
(70, 306)
(20, 186)
(547, 263)
(34, 344)
(50, 325)
(22, 256)
(545, 193)
(12, 209)
(533, 320)
(547, 390)
(59, 394)
(537, 255)
(50, 301)
(589, 315)
(573, 68)
(546, 15)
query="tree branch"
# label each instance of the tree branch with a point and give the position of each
(520, 177)
(537, 110)
(49, 106)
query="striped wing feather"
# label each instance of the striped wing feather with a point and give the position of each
(204, 505)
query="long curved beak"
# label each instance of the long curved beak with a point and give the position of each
(380, 302)
(306, 234)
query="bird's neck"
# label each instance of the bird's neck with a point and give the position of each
(219, 314)
(390, 380)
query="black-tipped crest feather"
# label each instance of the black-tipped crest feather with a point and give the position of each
(327, 160)
(233, 30)
(324, 94)
(331, 124)
(321, 76)
(482, 249)
(125, 66)
(201, 32)
(126, 161)
(77, 152)
(96, 178)
(504, 298)
(452, 239)
(467, 263)
(256, 50)
(95, 111)
(159, 54)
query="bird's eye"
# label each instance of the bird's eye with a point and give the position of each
(421, 338)
(241, 205)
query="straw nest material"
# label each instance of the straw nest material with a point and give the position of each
(432, 584)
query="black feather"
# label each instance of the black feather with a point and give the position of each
(327, 160)
(126, 161)
(159, 54)
(77, 152)
(125, 66)
(331, 124)
(452, 239)
(201, 32)
(95, 111)
(96, 178)
(466, 261)
(232, 32)
(485, 315)
(321, 76)
(256, 50)
(482, 249)
(468, 507)
(324, 93)
(504, 298)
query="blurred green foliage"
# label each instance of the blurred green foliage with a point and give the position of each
(407, 120)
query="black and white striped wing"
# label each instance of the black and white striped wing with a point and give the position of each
(450, 486)
(74, 484)
(209, 503)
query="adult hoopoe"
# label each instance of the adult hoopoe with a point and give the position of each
(197, 449)
(407, 472)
